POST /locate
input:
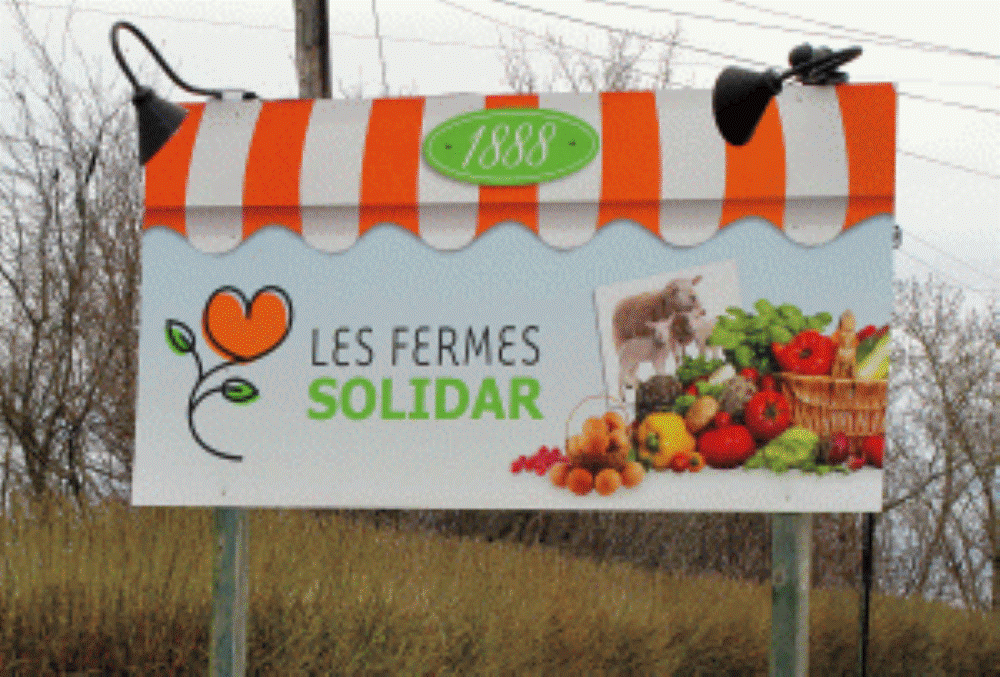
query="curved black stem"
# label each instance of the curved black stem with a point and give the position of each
(192, 405)
(120, 58)
(194, 400)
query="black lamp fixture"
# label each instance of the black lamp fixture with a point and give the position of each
(740, 96)
(158, 118)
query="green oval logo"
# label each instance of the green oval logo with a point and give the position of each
(511, 146)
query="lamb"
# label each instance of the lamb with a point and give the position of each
(640, 349)
(688, 327)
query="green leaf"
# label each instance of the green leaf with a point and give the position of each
(796, 324)
(742, 354)
(180, 338)
(780, 335)
(725, 339)
(239, 391)
(764, 307)
(788, 311)
(736, 312)
(822, 319)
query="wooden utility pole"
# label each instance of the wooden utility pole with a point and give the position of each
(228, 643)
(312, 48)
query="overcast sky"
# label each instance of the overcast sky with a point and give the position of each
(948, 215)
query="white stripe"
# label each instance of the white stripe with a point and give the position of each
(214, 217)
(815, 164)
(693, 170)
(568, 207)
(330, 187)
(448, 208)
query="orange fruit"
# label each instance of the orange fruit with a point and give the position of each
(580, 481)
(695, 462)
(633, 473)
(614, 421)
(558, 474)
(607, 481)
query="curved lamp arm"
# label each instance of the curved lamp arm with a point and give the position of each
(131, 28)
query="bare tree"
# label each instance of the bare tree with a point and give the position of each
(941, 533)
(69, 263)
(580, 70)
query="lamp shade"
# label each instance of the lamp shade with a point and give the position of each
(739, 99)
(158, 120)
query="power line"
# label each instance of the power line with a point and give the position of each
(979, 290)
(240, 24)
(890, 41)
(951, 256)
(926, 46)
(952, 165)
(954, 104)
(606, 27)
(543, 37)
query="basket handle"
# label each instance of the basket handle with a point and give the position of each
(613, 402)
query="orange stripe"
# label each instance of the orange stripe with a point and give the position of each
(167, 175)
(631, 166)
(869, 115)
(274, 165)
(390, 167)
(755, 174)
(508, 203)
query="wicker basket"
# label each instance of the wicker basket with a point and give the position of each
(826, 405)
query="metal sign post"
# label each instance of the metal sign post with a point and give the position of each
(228, 648)
(791, 561)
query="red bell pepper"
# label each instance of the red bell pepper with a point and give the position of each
(809, 354)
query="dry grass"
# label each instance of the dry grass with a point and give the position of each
(124, 591)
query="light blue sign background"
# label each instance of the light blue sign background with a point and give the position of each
(506, 277)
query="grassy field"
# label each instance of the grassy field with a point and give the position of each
(124, 591)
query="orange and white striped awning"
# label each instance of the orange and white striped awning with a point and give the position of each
(821, 160)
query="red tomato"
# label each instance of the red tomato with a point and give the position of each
(767, 414)
(767, 382)
(722, 419)
(873, 449)
(750, 374)
(726, 447)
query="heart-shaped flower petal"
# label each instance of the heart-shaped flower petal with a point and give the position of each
(242, 330)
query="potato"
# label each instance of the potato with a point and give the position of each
(701, 413)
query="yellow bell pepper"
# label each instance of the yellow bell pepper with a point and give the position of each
(661, 435)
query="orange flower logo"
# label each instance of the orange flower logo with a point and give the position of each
(240, 331)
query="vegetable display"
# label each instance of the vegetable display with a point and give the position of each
(734, 412)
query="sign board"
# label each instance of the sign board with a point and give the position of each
(338, 313)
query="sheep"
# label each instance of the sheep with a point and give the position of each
(688, 327)
(633, 314)
(640, 349)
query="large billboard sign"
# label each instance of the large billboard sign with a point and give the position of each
(355, 304)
